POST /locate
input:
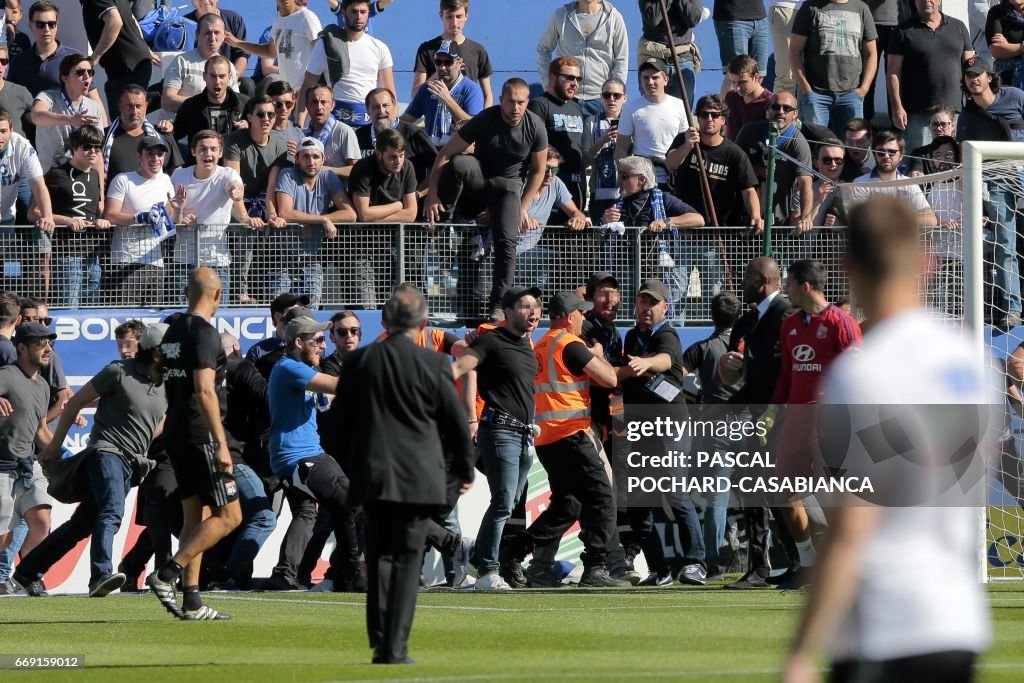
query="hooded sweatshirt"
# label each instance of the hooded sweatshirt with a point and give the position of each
(603, 54)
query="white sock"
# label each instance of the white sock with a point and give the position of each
(806, 552)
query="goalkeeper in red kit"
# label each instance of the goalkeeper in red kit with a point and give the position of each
(809, 340)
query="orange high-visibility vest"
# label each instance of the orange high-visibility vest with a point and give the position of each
(562, 398)
(435, 341)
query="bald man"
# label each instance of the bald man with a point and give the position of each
(194, 376)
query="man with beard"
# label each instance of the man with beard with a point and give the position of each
(505, 365)
(447, 99)
(184, 77)
(353, 62)
(887, 147)
(121, 144)
(382, 107)
(341, 149)
(217, 107)
(563, 119)
(346, 333)
(511, 144)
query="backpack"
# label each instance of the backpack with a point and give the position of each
(166, 29)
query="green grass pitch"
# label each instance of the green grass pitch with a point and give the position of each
(566, 635)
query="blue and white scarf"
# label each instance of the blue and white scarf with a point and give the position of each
(657, 205)
(148, 130)
(325, 133)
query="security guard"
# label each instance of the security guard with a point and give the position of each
(568, 449)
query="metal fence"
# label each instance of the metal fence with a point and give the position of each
(131, 267)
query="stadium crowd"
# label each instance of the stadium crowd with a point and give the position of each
(124, 204)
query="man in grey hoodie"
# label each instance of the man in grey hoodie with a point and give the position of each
(593, 32)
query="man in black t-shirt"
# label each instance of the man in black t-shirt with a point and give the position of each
(477, 63)
(382, 108)
(75, 196)
(563, 119)
(121, 144)
(118, 45)
(511, 144)
(194, 376)
(653, 352)
(505, 366)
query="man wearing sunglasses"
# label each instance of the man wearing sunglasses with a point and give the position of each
(447, 99)
(184, 77)
(282, 95)
(563, 119)
(38, 69)
(887, 148)
(600, 133)
(346, 332)
(828, 208)
(14, 98)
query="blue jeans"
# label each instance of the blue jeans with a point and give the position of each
(832, 110)
(689, 79)
(258, 522)
(110, 479)
(81, 276)
(744, 38)
(591, 107)
(533, 266)
(506, 457)
(181, 273)
(689, 249)
(8, 554)
(917, 134)
(1004, 226)
(312, 283)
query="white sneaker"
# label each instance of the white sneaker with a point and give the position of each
(325, 586)
(491, 582)
(465, 585)
(461, 560)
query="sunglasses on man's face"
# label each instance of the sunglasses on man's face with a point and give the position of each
(571, 78)
(264, 114)
(83, 72)
(832, 161)
(4, 61)
(283, 104)
(783, 108)
(709, 115)
(551, 170)
(348, 331)
(37, 319)
(443, 62)
(45, 24)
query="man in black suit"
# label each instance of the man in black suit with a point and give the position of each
(753, 362)
(401, 406)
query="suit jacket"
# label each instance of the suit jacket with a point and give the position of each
(760, 343)
(396, 405)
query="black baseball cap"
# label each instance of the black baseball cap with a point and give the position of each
(977, 65)
(514, 294)
(297, 312)
(564, 303)
(152, 141)
(26, 332)
(599, 278)
(450, 48)
(654, 288)
(286, 301)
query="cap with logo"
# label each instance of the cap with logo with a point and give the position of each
(599, 278)
(152, 142)
(977, 65)
(285, 301)
(564, 303)
(514, 294)
(654, 288)
(153, 335)
(450, 48)
(26, 332)
(307, 143)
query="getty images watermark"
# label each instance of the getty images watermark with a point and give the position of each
(760, 455)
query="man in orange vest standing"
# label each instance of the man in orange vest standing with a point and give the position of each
(570, 452)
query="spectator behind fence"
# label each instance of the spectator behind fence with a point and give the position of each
(234, 24)
(283, 96)
(923, 69)
(684, 15)
(833, 67)
(19, 162)
(643, 204)
(10, 318)
(594, 33)
(369, 65)
(207, 198)
(217, 107)
(600, 134)
(38, 69)
(117, 45)
(56, 113)
(563, 119)
(382, 108)
(747, 100)
(257, 156)
(780, 21)
(941, 123)
(887, 148)
(792, 170)
(134, 198)
(13, 97)
(857, 138)
(120, 146)
(649, 125)
(887, 15)
(454, 14)
(510, 146)
(448, 98)
(17, 40)
(76, 196)
(183, 78)
(341, 149)
(742, 29)
(314, 197)
(828, 207)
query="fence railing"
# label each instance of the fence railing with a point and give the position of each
(131, 267)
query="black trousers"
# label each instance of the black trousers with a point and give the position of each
(395, 537)
(580, 489)
(298, 534)
(464, 188)
(951, 666)
(160, 511)
(141, 75)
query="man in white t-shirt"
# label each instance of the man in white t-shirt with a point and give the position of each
(184, 77)
(887, 148)
(18, 161)
(365, 63)
(292, 36)
(205, 197)
(137, 206)
(924, 618)
(648, 126)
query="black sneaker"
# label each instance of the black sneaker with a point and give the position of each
(353, 584)
(693, 575)
(656, 580)
(751, 580)
(598, 577)
(800, 579)
(540, 576)
(277, 582)
(166, 593)
(512, 572)
(776, 579)
(106, 585)
(131, 580)
(34, 589)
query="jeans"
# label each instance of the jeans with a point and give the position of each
(312, 284)
(78, 272)
(1007, 277)
(506, 458)
(744, 38)
(110, 479)
(257, 525)
(688, 251)
(689, 79)
(591, 107)
(832, 110)
(917, 134)
(533, 267)
(8, 554)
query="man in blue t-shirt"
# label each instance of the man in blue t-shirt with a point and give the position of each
(447, 99)
(296, 456)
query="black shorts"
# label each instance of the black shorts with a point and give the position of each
(195, 468)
